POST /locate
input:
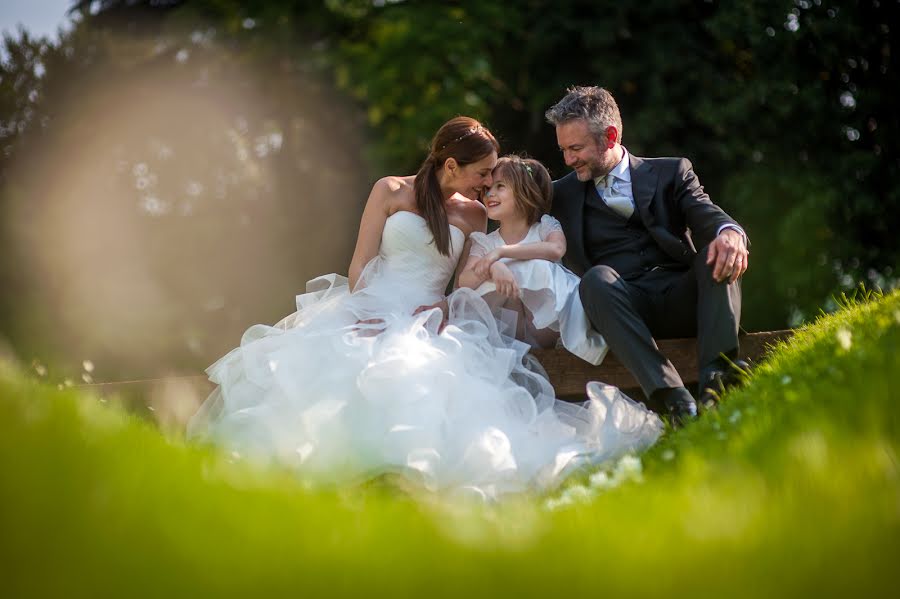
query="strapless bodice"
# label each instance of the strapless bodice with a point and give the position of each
(409, 256)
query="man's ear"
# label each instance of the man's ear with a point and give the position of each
(450, 165)
(612, 136)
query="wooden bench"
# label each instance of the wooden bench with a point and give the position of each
(567, 373)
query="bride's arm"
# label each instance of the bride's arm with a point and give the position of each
(371, 226)
(465, 276)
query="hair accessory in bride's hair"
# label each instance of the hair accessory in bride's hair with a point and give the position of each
(471, 131)
(528, 168)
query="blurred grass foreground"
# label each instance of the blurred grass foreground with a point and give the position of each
(790, 489)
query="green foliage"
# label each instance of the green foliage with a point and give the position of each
(20, 87)
(415, 66)
(763, 498)
(793, 244)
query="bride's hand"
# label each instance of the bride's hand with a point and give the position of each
(442, 305)
(369, 327)
(504, 280)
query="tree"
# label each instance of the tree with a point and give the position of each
(185, 185)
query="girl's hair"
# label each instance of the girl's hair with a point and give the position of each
(467, 141)
(530, 183)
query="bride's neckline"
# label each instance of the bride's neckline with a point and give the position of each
(422, 219)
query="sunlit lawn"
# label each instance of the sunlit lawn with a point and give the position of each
(792, 488)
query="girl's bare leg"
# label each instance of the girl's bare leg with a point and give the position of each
(543, 338)
(538, 338)
(525, 330)
(511, 305)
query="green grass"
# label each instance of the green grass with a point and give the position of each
(792, 488)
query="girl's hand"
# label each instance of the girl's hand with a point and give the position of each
(504, 280)
(483, 266)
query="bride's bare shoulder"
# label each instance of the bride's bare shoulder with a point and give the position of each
(396, 185)
(472, 213)
(398, 192)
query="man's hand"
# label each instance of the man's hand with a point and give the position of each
(504, 280)
(728, 252)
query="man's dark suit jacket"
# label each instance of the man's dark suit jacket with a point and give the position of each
(669, 199)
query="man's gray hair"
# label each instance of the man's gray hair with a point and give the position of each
(592, 104)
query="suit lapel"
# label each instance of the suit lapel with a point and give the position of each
(643, 187)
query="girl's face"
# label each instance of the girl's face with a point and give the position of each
(500, 200)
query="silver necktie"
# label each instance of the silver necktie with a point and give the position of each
(615, 199)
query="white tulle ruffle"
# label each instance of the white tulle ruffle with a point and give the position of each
(457, 409)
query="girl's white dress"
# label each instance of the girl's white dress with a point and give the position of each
(460, 408)
(549, 291)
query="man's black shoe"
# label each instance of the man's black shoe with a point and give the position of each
(679, 404)
(717, 378)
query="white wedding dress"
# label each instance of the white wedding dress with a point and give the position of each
(455, 409)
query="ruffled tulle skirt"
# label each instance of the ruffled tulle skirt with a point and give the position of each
(456, 406)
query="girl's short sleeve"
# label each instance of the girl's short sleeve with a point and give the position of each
(548, 225)
(481, 245)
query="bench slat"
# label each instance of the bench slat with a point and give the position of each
(569, 374)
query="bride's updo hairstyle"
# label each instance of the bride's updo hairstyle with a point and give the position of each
(530, 183)
(465, 140)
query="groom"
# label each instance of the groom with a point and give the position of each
(656, 257)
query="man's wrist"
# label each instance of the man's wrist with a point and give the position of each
(736, 228)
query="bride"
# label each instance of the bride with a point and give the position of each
(384, 374)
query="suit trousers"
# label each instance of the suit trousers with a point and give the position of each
(663, 304)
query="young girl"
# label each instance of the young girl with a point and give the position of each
(517, 266)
